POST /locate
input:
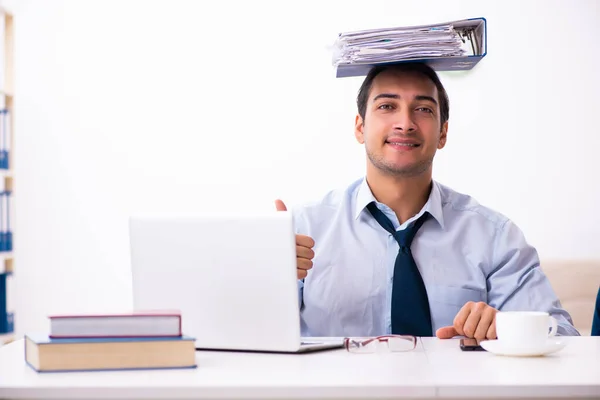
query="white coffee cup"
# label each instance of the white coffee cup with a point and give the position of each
(524, 329)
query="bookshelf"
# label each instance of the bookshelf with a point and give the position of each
(7, 92)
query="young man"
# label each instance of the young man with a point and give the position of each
(398, 253)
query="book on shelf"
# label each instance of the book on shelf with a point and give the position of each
(132, 324)
(45, 354)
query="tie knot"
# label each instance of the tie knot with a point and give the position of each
(404, 248)
(406, 236)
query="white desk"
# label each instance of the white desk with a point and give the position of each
(436, 369)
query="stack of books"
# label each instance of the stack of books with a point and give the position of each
(138, 340)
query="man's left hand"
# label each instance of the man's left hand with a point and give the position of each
(474, 320)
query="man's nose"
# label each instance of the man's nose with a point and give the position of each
(404, 121)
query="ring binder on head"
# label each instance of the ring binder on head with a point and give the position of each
(450, 46)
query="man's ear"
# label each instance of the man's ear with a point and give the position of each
(358, 129)
(443, 134)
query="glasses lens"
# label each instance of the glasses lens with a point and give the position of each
(374, 345)
(363, 345)
(401, 343)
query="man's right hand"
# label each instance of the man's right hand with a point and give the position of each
(304, 251)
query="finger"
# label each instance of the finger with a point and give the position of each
(303, 263)
(305, 252)
(487, 317)
(472, 321)
(491, 333)
(461, 318)
(280, 206)
(305, 241)
(301, 273)
(447, 332)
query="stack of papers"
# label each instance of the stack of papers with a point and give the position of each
(448, 46)
(397, 44)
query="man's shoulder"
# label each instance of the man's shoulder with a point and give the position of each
(461, 205)
(333, 198)
(328, 205)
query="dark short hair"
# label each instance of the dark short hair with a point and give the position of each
(365, 88)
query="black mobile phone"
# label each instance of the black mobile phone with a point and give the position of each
(470, 345)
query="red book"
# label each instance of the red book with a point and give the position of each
(154, 323)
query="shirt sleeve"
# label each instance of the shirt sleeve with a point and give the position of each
(517, 283)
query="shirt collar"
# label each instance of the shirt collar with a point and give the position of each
(433, 204)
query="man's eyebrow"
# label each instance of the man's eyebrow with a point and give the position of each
(386, 96)
(426, 98)
(396, 96)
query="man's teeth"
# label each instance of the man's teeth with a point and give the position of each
(404, 144)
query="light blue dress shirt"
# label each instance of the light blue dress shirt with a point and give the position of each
(466, 252)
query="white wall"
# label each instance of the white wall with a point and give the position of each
(133, 106)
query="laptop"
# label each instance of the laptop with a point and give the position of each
(232, 276)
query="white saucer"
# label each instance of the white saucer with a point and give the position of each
(497, 347)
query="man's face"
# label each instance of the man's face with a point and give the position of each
(401, 130)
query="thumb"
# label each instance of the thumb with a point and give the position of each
(446, 332)
(280, 206)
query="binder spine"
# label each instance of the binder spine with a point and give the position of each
(4, 136)
(8, 236)
(3, 244)
(6, 317)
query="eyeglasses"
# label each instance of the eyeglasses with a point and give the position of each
(389, 343)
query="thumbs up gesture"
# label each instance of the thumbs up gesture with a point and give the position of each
(304, 251)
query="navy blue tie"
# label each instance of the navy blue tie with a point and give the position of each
(410, 305)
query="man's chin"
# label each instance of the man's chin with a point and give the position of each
(404, 170)
(400, 169)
